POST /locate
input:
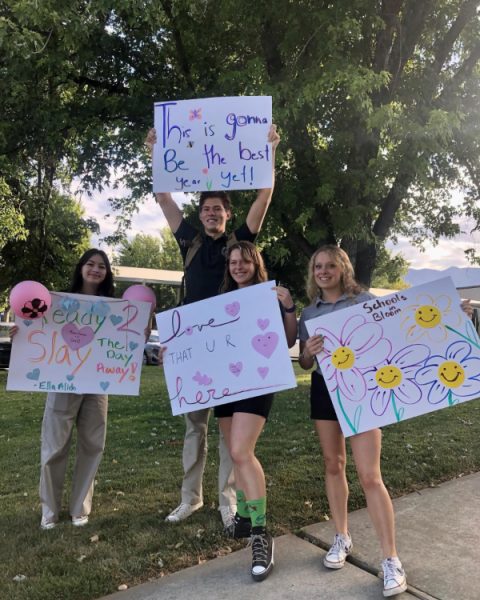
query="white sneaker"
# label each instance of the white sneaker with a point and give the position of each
(394, 579)
(228, 515)
(341, 548)
(182, 512)
(47, 524)
(80, 521)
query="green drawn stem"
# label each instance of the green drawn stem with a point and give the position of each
(450, 398)
(463, 336)
(350, 424)
(394, 406)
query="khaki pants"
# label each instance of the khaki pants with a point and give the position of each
(62, 411)
(195, 456)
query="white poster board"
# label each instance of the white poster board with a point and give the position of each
(226, 348)
(398, 356)
(216, 144)
(83, 345)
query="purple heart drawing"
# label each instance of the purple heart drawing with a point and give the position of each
(263, 372)
(235, 368)
(77, 338)
(263, 323)
(233, 308)
(202, 379)
(265, 344)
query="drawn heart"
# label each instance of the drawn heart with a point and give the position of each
(263, 323)
(116, 319)
(104, 385)
(263, 372)
(77, 338)
(27, 322)
(233, 308)
(209, 184)
(205, 171)
(265, 344)
(132, 345)
(69, 304)
(100, 309)
(34, 375)
(70, 377)
(235, 368)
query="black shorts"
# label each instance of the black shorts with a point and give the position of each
(260, 405)
(321, 406)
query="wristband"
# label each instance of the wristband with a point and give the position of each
(292, 309)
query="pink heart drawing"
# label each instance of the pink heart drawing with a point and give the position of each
(265, 344)
(263, 323)
(235, 368)
(205, 170)
(233, 308)
(263, 372)
(77, 338)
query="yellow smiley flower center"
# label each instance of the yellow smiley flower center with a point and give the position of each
(451, 374)
(343, 358)
(389, 377)
(428, 316)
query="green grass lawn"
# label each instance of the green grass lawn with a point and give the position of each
(127, 540)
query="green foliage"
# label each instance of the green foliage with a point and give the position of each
(389, 271)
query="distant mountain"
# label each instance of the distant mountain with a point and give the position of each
(462, 277)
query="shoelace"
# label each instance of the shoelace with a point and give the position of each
(182, 508)
(339, 545)
(259, 545)
(390, 570)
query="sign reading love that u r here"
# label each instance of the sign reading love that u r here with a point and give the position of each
(227, 348)
(83, 345)
(213, 144)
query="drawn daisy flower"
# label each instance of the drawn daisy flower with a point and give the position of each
(395, 379)
(344, 360)
(426, 318)
(454, 373)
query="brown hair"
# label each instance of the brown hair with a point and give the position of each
(251, 254)
(348, 283)
(222, 196)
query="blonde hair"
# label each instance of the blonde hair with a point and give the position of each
(348, 284)
(249, 253)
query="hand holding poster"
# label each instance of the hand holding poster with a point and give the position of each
(213, 144)
(83, 345)
(226, 348)
(398, 356)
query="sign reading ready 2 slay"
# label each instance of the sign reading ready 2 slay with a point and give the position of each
(398, 356)
(213, 144)
(83, 345)
(226, 348)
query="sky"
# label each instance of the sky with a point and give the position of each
(149, 220)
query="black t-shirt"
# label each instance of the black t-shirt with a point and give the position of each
(204, 275)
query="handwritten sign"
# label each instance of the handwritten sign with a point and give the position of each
(398, 356)
(213, 144)
(226, 348)
(83, 345)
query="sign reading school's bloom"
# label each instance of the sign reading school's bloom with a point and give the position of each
(455, 373)
(395, 379)
(346, 358)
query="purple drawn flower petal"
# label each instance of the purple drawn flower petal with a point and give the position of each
(373, 356)
(352, 384)
(380, 400)
(408, 392)
(410, 356)
(458, 351)
(350, 326)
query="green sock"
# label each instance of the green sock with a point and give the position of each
(242, 508)
(258, 511)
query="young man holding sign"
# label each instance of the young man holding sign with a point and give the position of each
(204, 257)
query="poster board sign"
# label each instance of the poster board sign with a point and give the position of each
(212, 144)
(83, 345)
(398, 356)
(226, 348)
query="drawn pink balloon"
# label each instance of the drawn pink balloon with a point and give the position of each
(236, 368)
(30, 300)
(142, 293)
(263, 323)
(233, 309)
(265, 344)
(263, 372)
(77, 338)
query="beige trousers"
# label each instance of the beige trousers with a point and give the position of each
(194, 458)
(62, 412)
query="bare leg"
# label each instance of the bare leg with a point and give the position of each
(366, 449)
(245, 431)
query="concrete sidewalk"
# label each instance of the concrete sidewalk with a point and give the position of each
(438, 542)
